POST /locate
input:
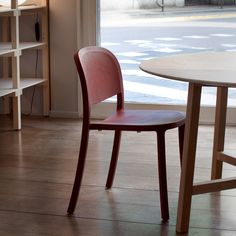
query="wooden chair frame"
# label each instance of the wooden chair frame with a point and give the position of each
(100, 77)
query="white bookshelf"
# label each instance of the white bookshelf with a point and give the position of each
(12, 83)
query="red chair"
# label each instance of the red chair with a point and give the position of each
(100, 77)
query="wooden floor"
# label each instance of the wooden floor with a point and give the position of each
(37, 167)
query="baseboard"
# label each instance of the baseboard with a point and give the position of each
(63, 114)
(207, 113)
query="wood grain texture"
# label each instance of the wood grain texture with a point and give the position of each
(37, 167)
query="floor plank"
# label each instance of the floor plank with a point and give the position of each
(37, 167)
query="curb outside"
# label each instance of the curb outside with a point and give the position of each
(170, 14)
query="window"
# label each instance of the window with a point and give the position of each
(135, 35)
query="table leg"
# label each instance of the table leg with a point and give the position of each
(219, 132)
(189, 152)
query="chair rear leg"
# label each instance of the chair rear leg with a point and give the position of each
(162, 175)
(181, 141)
(114, 158)
(79, 170)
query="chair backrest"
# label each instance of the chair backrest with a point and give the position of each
(100, 75)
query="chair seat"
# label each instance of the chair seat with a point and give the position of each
(141, 120)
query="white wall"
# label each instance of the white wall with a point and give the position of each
(72, 26)
(63, 44)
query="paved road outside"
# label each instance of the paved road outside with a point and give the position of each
(138, 35)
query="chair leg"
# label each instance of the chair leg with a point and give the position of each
(79, 170)
(181, 141)
(162, 175)
(114, 158)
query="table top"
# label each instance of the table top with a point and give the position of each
(207, 69)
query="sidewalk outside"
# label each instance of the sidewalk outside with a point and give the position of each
(155, 37)
(130, 17)
(149, 4)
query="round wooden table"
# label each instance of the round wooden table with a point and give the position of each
(216, 69)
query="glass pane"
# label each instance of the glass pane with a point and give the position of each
(135, 34)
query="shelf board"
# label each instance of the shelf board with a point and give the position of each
(6, 87)
(4, 92)
(7, 50)
(6, 10)
(29, 82)
(6, 84)
(30, 45)
(30, 7)
(9, 10)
